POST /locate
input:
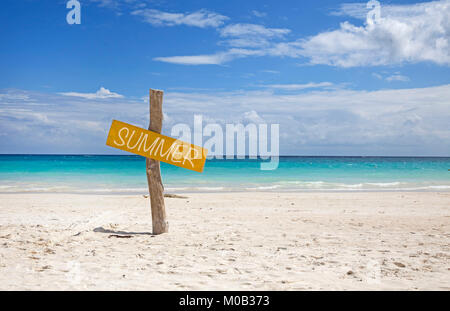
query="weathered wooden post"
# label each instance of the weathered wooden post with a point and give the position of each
(156, 147)
(155, 186)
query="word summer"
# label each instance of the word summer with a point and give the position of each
(156, 146)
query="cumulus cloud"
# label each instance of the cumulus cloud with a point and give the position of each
(102, 93)
(405, 33)
(201, 18)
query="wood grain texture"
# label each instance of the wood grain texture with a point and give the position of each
(155, 185)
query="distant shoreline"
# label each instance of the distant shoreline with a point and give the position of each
(131, 194)
(224, 156)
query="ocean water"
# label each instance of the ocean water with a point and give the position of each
(126, 174)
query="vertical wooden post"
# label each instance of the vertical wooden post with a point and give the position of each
(155, 186)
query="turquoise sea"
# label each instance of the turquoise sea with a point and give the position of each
(126, 174)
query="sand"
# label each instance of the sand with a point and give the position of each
(227, 241)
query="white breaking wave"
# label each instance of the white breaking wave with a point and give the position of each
(285, 186)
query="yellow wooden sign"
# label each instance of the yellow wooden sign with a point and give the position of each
(152, 145)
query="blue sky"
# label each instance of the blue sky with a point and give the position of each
(334, 83)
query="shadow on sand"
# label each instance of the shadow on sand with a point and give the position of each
(121, 233)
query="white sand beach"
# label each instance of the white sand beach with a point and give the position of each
(227, 241)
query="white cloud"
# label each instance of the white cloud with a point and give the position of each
(259, 13)
(121, 6)
(252, 117)
(243, 30)
(107, 3)
(339, 121)
(405, 33)
(318, 121)
(13, 96)
(251, 35)
(211, 59)
(201, 18)
(102, 93)
(391, 77)
(360, 10)
(294, 87)
(270, 71)
(397, 77)
(356, 10)
(243, 39)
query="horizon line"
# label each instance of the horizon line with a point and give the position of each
(234, 156)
